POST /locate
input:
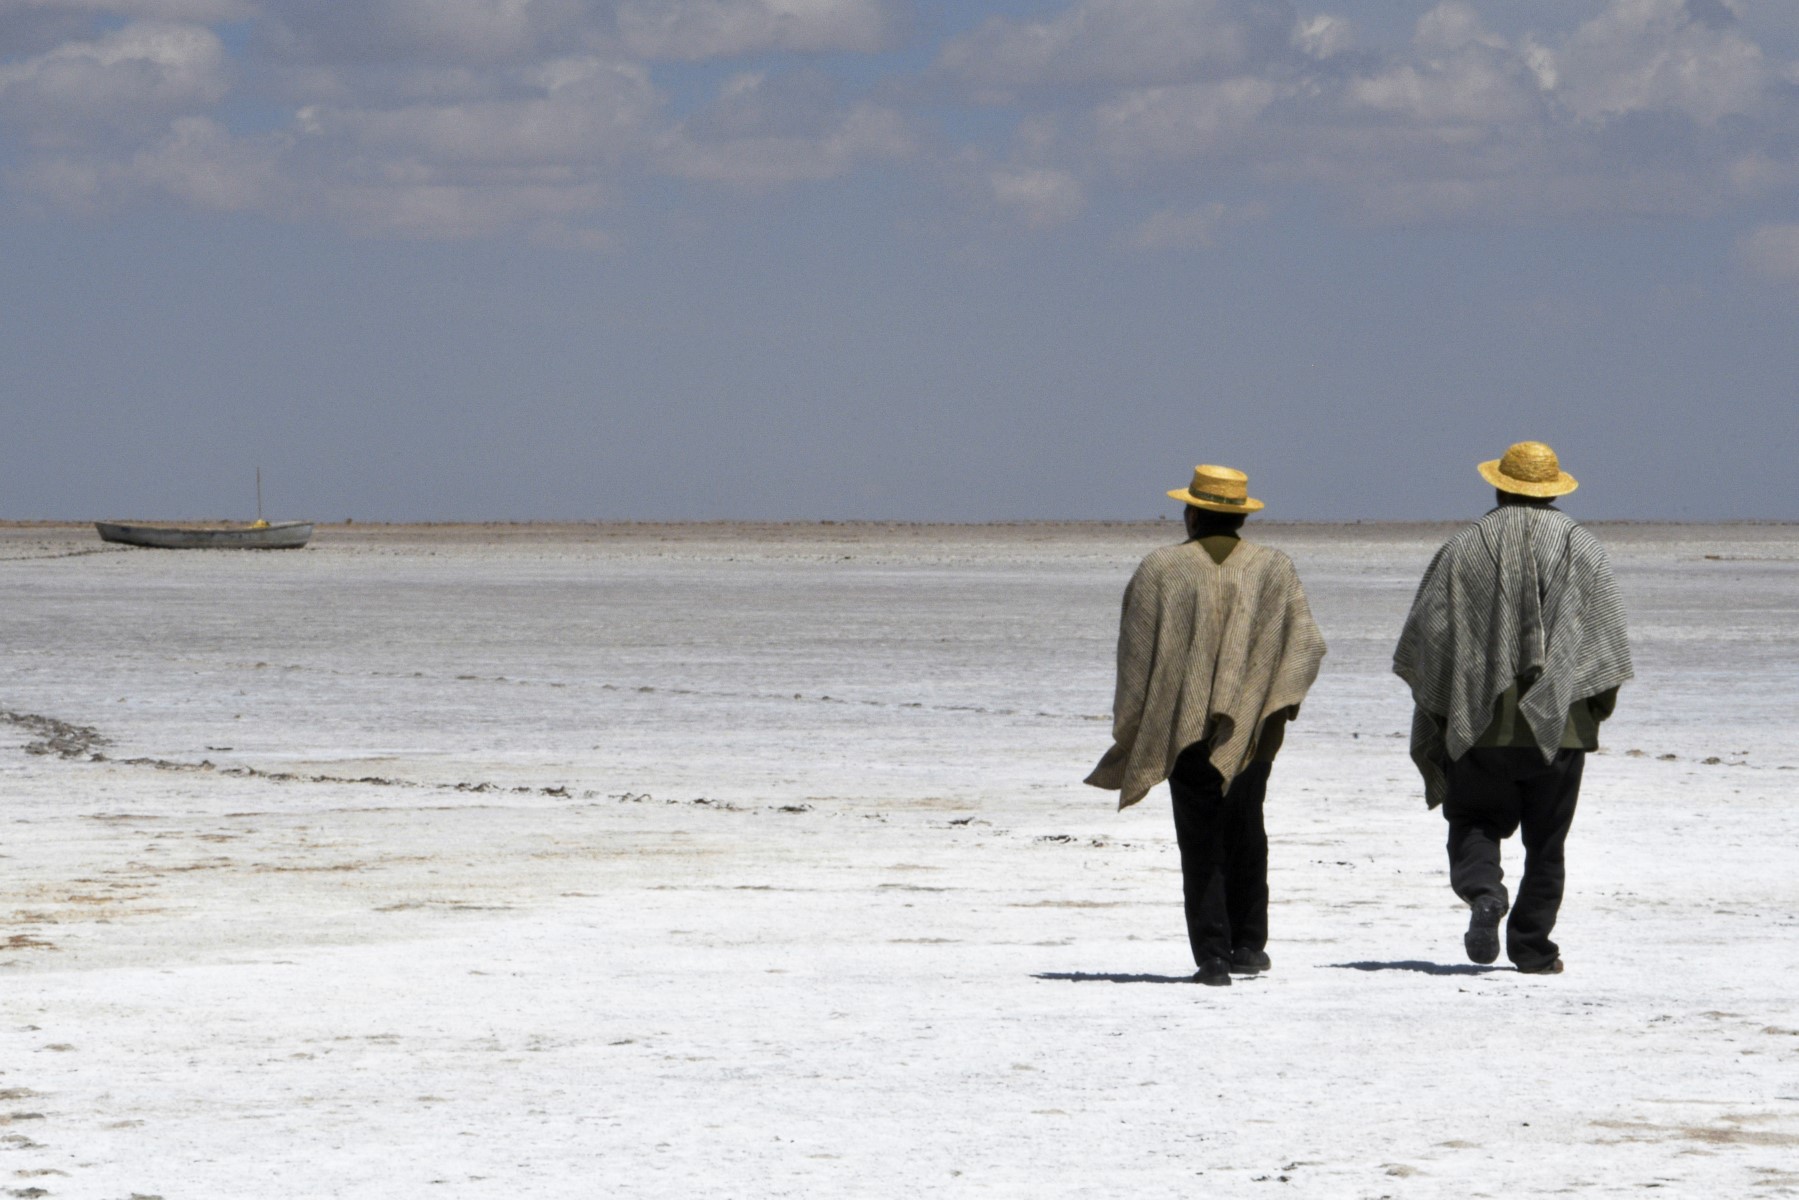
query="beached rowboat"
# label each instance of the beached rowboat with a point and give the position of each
(281, 535)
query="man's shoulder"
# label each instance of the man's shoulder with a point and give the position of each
(1183, 553)
(1166, 559)
(1473, 531)
(1478, 544)
(1264, 554)
(1531, 514)
(1188, 560)
(1490, 523)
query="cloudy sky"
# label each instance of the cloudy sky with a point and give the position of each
(511, 259)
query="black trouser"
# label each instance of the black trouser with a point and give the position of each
(1224, 854)
(1493, 792)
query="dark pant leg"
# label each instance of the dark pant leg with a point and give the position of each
(1246, 870)
(1224, 854)
(1198, 828)
(1483, 809)
(1549, 797)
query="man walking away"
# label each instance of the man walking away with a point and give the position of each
(1514, 650)
(1216, 648)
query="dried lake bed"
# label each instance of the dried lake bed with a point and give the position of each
(753, 860)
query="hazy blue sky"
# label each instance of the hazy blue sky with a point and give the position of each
(441, 259)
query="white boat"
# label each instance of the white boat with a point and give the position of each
(280, 535)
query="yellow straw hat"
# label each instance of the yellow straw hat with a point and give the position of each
(1219, 489)
(1529, 469)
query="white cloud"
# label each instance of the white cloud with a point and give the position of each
(1771, 251)
(581, 123)
(544, 153)
(1190, 228)
(1656, 55)
(444, 118)
(422, 33)
(1759, 174)
(1175, 123)
(479, 30)
(195, 160)
(544, 157)
(1041, 196)
(456, 117)
(117, 81)
(1459, 73)
(865, 133)
(1465, 124)
(1323, 35)
(1128, 42)
(160, 10)
(1451, 26)
(766, 130)
(1469, 85)
(428, 209)
(701, 29)
(574, 113)
(198, 161)
(1461, 122)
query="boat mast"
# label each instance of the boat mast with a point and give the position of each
(259, 495)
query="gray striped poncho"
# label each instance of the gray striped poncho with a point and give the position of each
(1522, 594)
(1206, 652)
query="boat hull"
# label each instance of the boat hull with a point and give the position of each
(283, 535)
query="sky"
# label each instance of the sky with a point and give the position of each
(893, 259)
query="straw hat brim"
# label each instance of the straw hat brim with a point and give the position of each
(1249, 505)
(1561, 485)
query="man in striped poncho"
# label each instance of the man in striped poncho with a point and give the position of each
(1514, 650)
(1216, 648)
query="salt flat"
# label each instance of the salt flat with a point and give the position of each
(750, 861)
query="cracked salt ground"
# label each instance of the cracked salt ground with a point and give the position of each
(516, 868)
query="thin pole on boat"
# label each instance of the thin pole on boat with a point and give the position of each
(259, 495)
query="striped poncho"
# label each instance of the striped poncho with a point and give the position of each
(1206, 652)
(1524, 595)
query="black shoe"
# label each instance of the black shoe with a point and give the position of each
(1482, 939)
(1245, 961)
(1214, 972)
(1552, 967)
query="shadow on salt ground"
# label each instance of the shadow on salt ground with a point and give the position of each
(1111, 977)
(1422, 968)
